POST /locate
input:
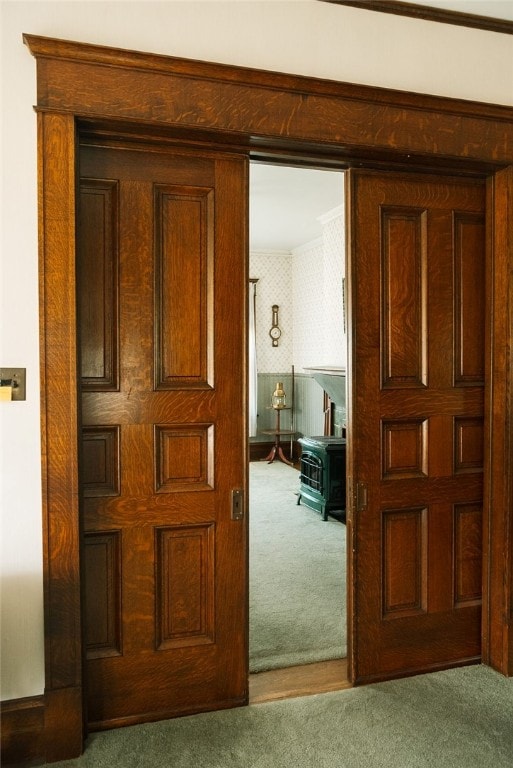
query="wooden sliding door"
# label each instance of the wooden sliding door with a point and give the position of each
(162, 282)
(417, 263)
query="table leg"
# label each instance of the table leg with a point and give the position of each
(272, 455)
(281, 456)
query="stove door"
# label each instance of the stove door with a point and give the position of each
(415, 449)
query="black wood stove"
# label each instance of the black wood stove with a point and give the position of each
(323, 474)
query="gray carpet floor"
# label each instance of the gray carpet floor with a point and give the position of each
(460, 718)
(297, 576)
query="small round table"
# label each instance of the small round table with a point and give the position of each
(277, 451)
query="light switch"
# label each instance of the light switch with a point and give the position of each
(12, 383)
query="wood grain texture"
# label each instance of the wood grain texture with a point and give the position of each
(185, 591)
(404, 562)
(161, 596)
(405, 448)
(102, 576)
(469, 298)
(184, 458)
(403, 266)
(404, 534)
(100, 461)
(259, 108)
(64, 728)
(22, 734)
(468, 445)
(295, 118)
(498, 527)
(184, 269)
(468, 553)
(305, 680)
(99, 269)
(59, 415)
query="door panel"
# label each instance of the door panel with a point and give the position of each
(417, 269)
(162, 280)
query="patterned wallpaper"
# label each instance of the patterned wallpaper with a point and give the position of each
(308, 305)
(274, 272)
(333, 236)
(317, 274)
(307, 286)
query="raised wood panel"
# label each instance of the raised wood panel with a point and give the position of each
(405, 448)
(184, 458)
(404, 558)
(469, 445)
(469, 299)
(468, 554)
(100, 461)
(403, 256)
(98, 275)
(184, 224)
(102, 563)
(185, 598)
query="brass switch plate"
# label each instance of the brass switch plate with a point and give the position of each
(16, 376)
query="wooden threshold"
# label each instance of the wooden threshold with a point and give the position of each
(305, 680)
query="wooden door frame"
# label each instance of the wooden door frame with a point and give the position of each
(83, 88)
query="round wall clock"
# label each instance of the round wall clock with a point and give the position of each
(275, 334)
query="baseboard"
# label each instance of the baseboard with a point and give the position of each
(42, 729)
(23, 732)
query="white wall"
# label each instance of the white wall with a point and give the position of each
(301, 37)
(308, 293)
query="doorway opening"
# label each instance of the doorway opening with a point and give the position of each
(297, 637)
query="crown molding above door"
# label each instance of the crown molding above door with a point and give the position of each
(431, 13)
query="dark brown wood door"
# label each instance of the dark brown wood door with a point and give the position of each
(416, 440)
(162, 281)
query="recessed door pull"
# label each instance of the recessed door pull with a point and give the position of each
(237, 504)
(361, 497)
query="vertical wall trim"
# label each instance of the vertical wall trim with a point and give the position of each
(59, 426)
(498, 475)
